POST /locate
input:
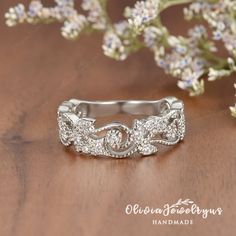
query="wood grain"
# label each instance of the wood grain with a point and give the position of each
(47, 190)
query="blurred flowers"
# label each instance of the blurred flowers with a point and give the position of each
(192, 59)
(142, 13)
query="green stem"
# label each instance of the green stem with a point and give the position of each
(217, 62)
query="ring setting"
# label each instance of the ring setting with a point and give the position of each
(164, 124)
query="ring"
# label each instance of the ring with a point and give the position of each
(164, 124)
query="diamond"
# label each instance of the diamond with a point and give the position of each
(65, 130)
(114, 138)
(147, 149)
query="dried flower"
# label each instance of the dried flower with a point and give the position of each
(113, 46)
(142, 13)
(96, 14)
(186, 60)
(191, 59)
(153, 36)
(15, 15)
(72, 29)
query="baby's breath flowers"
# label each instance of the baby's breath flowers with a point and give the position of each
(192, 59)
(186, 60)
(16, 15)
(142, 14)
(114, 47)
(96, 13)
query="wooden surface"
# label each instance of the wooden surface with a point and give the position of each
(46, 190)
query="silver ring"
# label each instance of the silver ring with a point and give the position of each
(164, 124)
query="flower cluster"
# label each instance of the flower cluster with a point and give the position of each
(16, 15)
(192, 59)
(142, 14)
(186, 60)
(113, 46)
(153, 36)
(96, 14)
(73, 23)
(220, 16)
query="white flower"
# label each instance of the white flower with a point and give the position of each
(195, 86)
(122, 28)
(113, 46)
(35, 8)
(95, 13)
(65, 2)
(185, 61)
(63, 13)
(220, 17)
(71, 29)
(173, 41)
(15, 15)
(189, 78)
(143, 12)
(152, 35)
(198, 32)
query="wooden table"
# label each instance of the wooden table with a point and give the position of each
(47, 190)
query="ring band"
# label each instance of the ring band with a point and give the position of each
(164, 124)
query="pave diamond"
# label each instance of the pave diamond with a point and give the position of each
(65, 130)
(147, 149)
(116, 139)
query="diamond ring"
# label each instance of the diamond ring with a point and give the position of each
(164, 124)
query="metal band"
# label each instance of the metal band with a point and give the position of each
(164, 124)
